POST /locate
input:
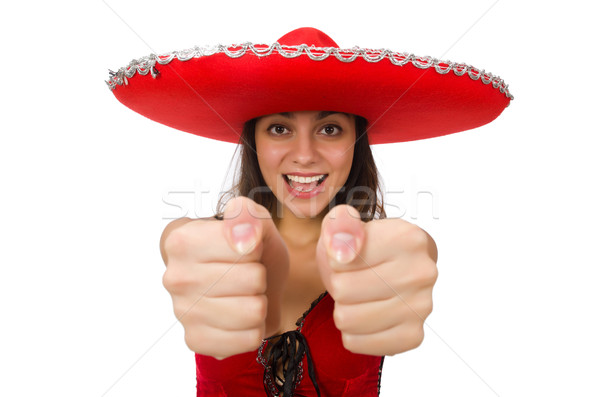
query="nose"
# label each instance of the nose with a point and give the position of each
(304, 149)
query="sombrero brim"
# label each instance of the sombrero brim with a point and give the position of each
(212, 92)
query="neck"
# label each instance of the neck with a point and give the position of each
(299, 231)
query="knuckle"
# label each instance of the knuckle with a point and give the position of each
(348, 342)
(356, 344)
(422, 306)
(256, 309)
(428, 308)
(411, 337)
(426, 273)
(181, 313)
(416, 310)
(255, 278)
(236, 205)
(419, 241)
(196, 342)
(431, 273)
(177, 242)
(418, 336)
(174, 280)
(347, 209)
(258, 211)
(252, 338)
(340, 317)
(179, 279)
(415, 238)
(336, 288)
(423, 274)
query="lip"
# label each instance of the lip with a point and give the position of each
(305, 174)
(304, 195)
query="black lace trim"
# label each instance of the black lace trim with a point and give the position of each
(286, 353)
(300, 321)
(379, 377)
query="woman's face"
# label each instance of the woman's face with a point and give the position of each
(305, 157)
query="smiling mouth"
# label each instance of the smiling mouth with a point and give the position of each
(302, 184)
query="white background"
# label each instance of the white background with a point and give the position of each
(83, 181)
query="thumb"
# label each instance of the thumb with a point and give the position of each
(343, 234)
(243, 224)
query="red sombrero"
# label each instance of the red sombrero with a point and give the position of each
(213, 91)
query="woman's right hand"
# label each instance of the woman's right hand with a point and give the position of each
(226, 278)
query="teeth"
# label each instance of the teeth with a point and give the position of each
(303, 179)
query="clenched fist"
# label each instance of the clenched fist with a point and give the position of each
(381, 276)
(226, 278)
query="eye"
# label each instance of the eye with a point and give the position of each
(277, 129)
(331, 130)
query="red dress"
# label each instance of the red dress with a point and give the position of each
(317, 363)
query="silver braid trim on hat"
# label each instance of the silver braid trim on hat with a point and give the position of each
(147, 64)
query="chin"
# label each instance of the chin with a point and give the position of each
(312, 209)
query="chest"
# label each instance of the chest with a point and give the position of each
(303, 287)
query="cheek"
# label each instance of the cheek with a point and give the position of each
(342, 160)
(269, 159)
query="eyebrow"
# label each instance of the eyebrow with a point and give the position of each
(320, 115)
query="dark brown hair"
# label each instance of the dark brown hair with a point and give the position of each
(362, 189)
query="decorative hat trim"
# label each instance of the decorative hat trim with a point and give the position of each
(146, 65)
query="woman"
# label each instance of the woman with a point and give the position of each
(305, 216)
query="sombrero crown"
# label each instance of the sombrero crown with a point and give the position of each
(213, 91)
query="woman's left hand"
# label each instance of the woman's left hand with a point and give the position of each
(380, 275)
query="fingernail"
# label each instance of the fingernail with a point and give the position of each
(244, 238)
(343, 247)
